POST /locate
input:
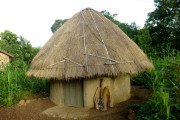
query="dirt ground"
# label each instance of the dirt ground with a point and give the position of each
(32, 109)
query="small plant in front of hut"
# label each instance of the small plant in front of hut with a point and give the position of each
(10, 90)
(14, 85)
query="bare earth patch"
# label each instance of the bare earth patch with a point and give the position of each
(32, 109)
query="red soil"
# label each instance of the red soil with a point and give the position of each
(32, 110)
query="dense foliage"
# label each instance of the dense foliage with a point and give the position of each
(164, 80)
(159, 38)
(17, 46)
(57, 24)
(131, 30)
(164, 24)
(14, 85)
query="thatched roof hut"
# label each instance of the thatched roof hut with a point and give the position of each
(88, 46)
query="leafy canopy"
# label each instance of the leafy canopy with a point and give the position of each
(17, 46)
(164, 24)
(57, 24)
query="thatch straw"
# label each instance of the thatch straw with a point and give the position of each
(88, 45)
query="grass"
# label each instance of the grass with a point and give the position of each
(164, 80)
(14, 85)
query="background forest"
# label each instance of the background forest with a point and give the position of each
(159, 39)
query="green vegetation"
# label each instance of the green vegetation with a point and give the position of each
(159, 38)
(164, 23)
(17, 46)
(131, 30)
(164, 80)
(57, 24)
(14, 85)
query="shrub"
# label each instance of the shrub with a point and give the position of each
(165, 82)
(14, 83)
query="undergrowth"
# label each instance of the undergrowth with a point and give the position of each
(14, 84)
(164, 80)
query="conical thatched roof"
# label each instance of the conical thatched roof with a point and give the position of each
(88, 45)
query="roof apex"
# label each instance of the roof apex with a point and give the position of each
(88, 45)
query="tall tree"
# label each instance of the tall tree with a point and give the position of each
(9, 43)
(9, 37)
(57, 24)
(18, 46)
(144, 40)
(164, 24)
(27, 51)
(131, 30)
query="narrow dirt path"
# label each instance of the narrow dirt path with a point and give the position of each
(32, 110)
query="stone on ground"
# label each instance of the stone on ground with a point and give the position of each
(67, 112)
